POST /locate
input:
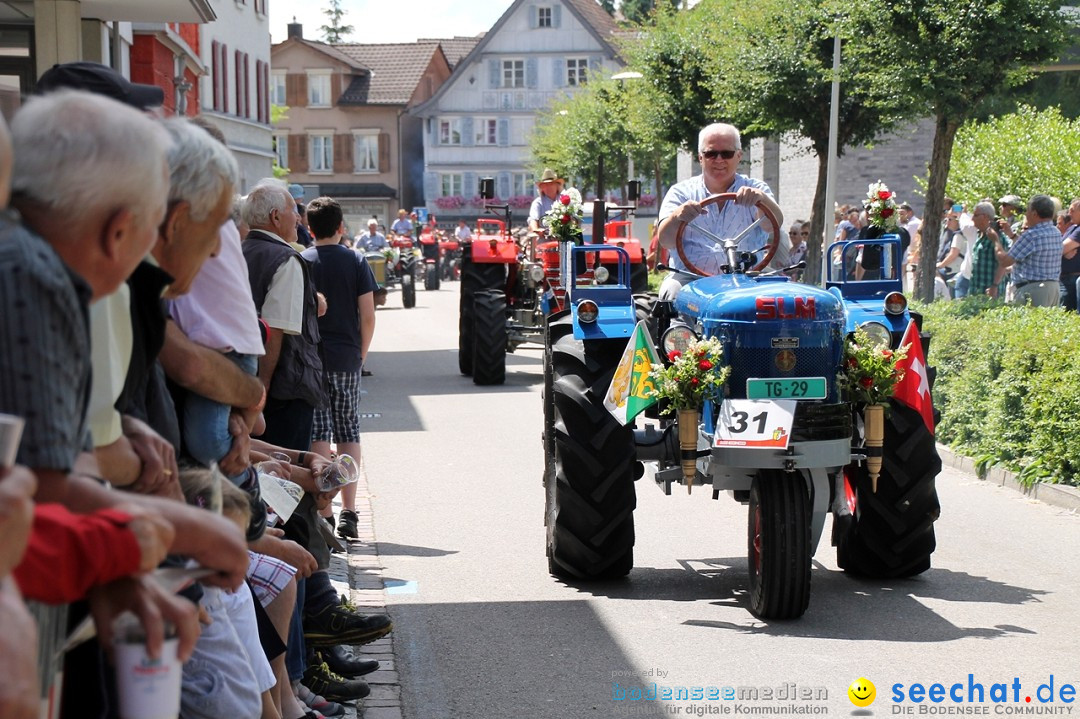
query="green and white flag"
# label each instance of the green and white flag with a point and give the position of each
(631, 388)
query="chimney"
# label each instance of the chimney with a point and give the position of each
(296, 30)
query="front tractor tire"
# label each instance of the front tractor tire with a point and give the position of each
(890, 535)
(591, 497)
(489, 338)
(408, 290)
(778, 545)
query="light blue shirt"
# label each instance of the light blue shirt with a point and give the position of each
(727, 222)
(540, 207)
(402, 227)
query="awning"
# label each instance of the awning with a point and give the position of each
(198, 11)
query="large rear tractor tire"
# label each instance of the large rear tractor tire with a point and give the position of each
(891, 532)
(474, 278)
(591, 498)
(778, 545)
(489, 337)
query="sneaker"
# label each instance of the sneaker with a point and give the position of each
(346, 527)
(334, 687)
(316, 703)
(342, 624)
(344, 662)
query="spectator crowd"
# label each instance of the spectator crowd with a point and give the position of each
(172, 355)
(1020, 252)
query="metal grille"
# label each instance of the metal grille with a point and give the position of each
(749, 362)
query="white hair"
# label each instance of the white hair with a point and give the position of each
(269, 194)
(200, 168)
(987, 208)
(82, 154)
(718, 128)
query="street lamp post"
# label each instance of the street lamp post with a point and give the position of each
(622, 77)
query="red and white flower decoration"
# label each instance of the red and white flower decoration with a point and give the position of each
(880, 206)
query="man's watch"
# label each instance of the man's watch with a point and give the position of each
(301, 459)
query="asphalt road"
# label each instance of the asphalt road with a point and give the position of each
(482, 629)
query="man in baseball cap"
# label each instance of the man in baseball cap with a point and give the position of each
(100, 80)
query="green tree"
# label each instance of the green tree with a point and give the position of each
(590, 135)
(277, 114)
(334, 30)
(777, 79)
(675, 58)
(945, 58)
(765, 66)
(608, 5)
(1024, 153)
(640, 12)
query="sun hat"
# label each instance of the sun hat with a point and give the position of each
(297, 191)
(550, 176)
(1013, 200)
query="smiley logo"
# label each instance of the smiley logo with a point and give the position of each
(862, 692)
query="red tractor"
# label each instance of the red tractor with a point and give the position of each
(508, 289)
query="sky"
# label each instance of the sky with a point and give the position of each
(379, 21)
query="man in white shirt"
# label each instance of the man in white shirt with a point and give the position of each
(719, 152)
(374, 240)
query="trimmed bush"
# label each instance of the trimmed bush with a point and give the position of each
(1008, 385)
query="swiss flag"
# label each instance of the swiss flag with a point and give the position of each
(914, 389)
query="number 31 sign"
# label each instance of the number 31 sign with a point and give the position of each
(750, 423)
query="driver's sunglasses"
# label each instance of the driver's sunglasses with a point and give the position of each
(713, 154)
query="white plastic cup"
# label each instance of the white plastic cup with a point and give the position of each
(146, 688)
(11, 428)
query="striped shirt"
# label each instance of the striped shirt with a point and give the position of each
(1037, 252)
(44, 348)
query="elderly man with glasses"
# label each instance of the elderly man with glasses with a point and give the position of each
(719, 152)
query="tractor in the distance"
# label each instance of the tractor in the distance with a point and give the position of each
(509, 288)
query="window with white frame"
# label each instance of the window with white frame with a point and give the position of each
(281, 149)
(277, 88)
(576, 68)
(487, 131)
(543, 17)
(366, 152)
(318, 88)
(449, 130)
(321, 156)
(523, 183)
(452, 184)
(513, 73)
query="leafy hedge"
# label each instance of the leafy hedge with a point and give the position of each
(1008, 385)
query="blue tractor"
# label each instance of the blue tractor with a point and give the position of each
(784, 344)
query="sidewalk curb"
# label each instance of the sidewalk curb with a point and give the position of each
(1056, 495)
(368, 593)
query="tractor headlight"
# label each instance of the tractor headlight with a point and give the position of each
(601, 274)
(878, 332)
(587, 311)
(676, 339)
(536, 273)
(895, 303)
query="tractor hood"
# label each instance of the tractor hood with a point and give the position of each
(738, 298)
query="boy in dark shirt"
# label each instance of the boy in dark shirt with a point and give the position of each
(346, 328)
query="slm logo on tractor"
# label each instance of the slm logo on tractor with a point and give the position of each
(773, 308)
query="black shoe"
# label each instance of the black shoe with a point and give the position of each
(330, 520)
(365, 373)
(342, 661)
(346, 527)
(332, 687)
(341, 624)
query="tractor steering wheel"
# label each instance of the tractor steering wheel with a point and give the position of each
(719, 201)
